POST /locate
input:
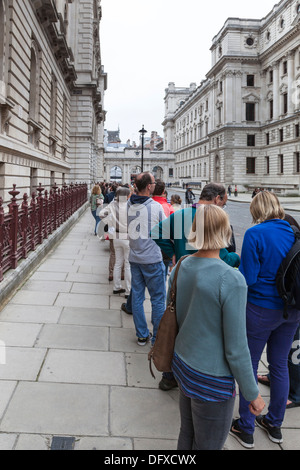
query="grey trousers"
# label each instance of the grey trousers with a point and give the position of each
(204, 425)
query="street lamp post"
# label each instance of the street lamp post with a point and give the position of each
(143, 132)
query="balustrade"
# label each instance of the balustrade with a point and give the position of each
(24, 226)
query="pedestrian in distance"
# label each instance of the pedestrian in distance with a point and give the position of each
(176, 202)
(265, 245)
(96, 203)
(189, 196)
(211, 349)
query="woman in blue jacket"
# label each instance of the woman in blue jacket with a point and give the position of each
(264, 247)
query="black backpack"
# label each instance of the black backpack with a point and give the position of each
(288, 276)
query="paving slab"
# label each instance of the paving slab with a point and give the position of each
(22, 363)
(144, 412)
(85, 367)
(47, 286)
(82, 300)
(7, 389)
(30, 313)
(53, 408)
(24, 297)
(90, 317)
(73, 337)
(19, 334)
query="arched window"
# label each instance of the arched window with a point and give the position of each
(34, 128)
(33, 86)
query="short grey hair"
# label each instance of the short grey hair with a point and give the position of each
(122, 192)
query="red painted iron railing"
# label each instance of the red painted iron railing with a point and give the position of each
(26, 225)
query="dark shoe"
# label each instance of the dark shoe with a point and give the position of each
(243, 437)
(123, 307)
(292, 405)
(264, 379)
(273, 432)
(144, 341)
(167, 384)
(110, 278)
(119, 291)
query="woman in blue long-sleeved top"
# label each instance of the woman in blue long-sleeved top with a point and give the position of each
(264, 247)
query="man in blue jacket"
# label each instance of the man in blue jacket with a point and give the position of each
(145, 257)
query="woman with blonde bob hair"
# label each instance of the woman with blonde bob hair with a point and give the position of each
(210, 229)
(211, 348)
(264, 247)
(266, 206)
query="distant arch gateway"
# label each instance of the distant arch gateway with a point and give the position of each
(158, 173)
(128, 161)
(116, 174)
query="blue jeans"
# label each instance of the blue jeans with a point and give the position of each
(151, 276)
(97, 219)
(268, 327)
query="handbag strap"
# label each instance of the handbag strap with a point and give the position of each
(174, 283)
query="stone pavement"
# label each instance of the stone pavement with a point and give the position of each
(71, 365)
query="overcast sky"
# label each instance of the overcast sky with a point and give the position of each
(145, 44)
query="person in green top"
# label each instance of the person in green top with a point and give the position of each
(171, 236)
(211, 349)
(96, 202)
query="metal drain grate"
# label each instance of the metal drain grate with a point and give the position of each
(62, 443)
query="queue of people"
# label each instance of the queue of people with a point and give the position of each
(228, 308)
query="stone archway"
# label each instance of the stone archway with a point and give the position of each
(158, 172)
(116, 174)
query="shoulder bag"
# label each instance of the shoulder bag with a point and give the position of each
(161, 353)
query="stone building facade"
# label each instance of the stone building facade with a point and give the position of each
(241, 125)
(52, 85)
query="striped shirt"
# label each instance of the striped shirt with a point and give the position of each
(195, 384)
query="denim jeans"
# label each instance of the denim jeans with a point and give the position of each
(268, 327)
(97, 220)
(151, 276)
(204, 425)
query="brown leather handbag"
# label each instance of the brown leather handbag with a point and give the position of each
(161, 353)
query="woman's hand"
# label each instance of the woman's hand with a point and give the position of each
(257, 405)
